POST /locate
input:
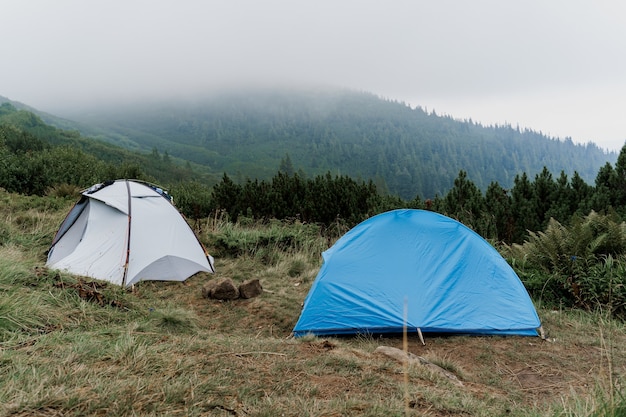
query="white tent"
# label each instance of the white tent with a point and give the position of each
(127, 231)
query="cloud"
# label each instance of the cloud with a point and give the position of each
(469, 57)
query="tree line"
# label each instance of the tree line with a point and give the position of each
(499, 214)
(35, 158)
(404, 150)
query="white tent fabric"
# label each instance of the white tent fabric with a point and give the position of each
(125, 232)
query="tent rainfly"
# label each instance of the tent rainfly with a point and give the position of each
(420, 268)
(127, 231)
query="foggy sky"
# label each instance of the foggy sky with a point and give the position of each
(556, 66)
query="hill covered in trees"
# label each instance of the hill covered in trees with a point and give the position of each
(36, 158)
(405, 151)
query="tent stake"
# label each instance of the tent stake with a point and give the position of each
(419, 333)
(542, 334)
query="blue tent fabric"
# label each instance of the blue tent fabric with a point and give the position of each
(449, 278)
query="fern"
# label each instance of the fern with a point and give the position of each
(583, 265)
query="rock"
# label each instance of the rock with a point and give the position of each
(221, 289)
(208, 288)
(250, 288)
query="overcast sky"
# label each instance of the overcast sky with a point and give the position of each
(555, 66)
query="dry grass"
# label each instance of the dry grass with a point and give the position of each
(166, 351)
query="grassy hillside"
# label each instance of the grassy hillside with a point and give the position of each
(407, 151)
(162, 349)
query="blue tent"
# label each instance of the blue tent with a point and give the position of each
(450, 279)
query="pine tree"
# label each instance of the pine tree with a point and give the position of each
(581, 195)
(543, 190)
(226, 196)
(620, 182)
(523, 208)
(286, 166)
(499, 218)
(464, 201)
(605, 193)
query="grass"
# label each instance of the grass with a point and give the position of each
(164, 350)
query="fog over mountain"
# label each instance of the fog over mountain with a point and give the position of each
(557, 67)
(406, 151)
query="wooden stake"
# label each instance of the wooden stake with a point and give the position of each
(405, 345)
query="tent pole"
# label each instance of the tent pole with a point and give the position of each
(127, 237)
(405, 346)
(421, 336)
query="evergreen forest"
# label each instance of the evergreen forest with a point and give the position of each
(405, 151)
(38, 159)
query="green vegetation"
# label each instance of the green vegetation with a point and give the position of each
(582, 265)
(405, 151)
(162, 349)
(71, 347)
(38, 159)
(499, 214)
(35, 157)
(75, 348)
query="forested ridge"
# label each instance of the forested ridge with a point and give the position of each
(36, 158)
(405, 151)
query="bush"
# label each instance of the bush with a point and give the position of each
(582, 265)
(264, 240)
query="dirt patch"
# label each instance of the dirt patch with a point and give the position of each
(508, 370)
(530, 368)
(512, 369)
(329, 386)
(317, 347)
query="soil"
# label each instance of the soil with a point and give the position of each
(570, 362)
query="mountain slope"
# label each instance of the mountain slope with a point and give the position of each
(36, 155)
(405, 150)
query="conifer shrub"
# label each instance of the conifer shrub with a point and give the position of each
(192, 198)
